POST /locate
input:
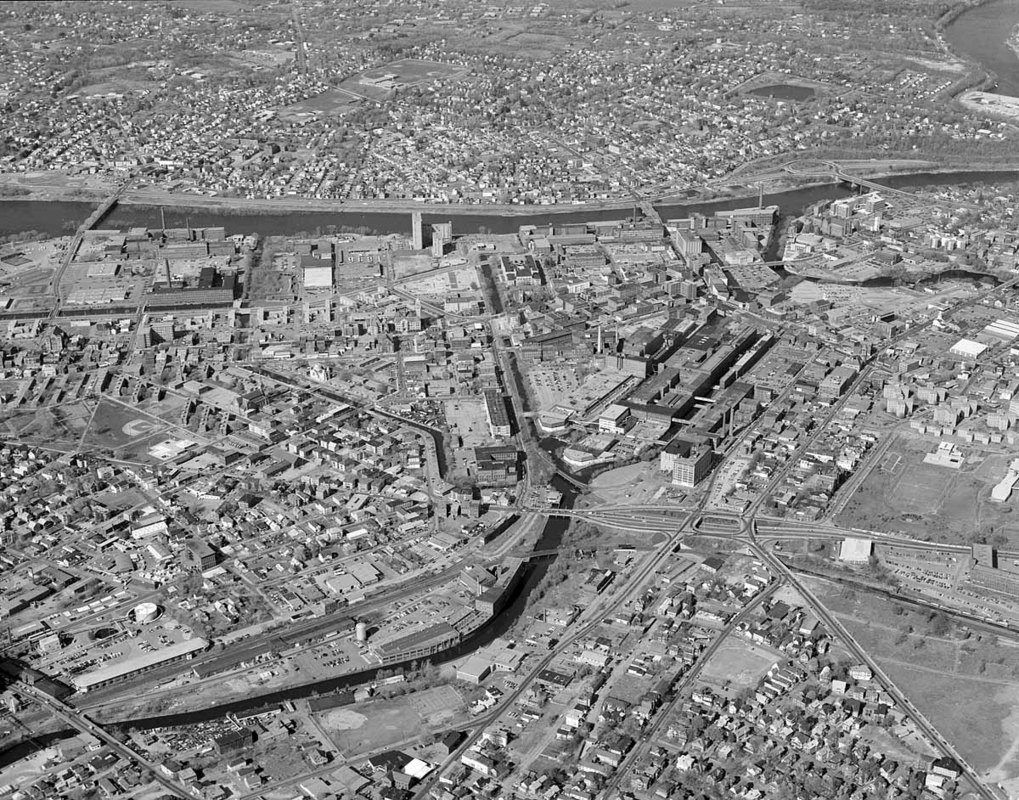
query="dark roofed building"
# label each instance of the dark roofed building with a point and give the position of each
(234, 741)
(550, 676)
(451, 741)
(389, 761)
(497, 465)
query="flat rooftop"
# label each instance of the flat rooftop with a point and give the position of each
(138, 663)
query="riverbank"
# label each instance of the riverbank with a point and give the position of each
(981, 79)
(144, 199)
(147, 199)
(992, 104)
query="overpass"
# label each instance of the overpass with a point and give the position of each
(555, 551)
(659, 519)
(78, 720)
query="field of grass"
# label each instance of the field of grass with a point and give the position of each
(951, 675)
(952, 704)
(903, 494)
(410, 71)
(116, 426)
(739, 662)
(331, 101)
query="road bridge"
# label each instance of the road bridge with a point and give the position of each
(90, 222)
(875, 186)
(866, 183)
(650, 211)
(81, 722)
(614, 548)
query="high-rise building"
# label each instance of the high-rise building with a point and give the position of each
(689, 462)
(202, 556)
(418, 229)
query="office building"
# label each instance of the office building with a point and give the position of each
(689, 462)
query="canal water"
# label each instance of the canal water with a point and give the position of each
(550, 539)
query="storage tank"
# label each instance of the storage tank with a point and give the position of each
(145, 612)
(361, 632)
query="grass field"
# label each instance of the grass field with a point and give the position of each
(57, 426)
(410, 264)
(739, 662)
(331, 101)
(405, 72)
(953, 677)
(952, 704)
(411, 71)
(116, 426)
(903, 494)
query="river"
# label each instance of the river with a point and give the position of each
(982, 33)
(60, 218)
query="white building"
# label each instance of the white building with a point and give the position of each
(967, 349)
(614, 419)
(856, 551)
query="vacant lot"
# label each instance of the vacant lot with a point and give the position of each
(633, 484)
(903, 494)
(951, 675)
(367, 726)
(952, 704)
(54, 426)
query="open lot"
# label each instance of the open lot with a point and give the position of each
(366, 726)
(56, 426)
(407, 265)
(903, 494)
(952, 704)
(634, 484)
(952, 676)
(437, 286)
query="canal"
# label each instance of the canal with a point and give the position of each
(550, 539)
